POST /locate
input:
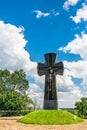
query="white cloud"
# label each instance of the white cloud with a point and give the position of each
(65, 88)
(69, 3)
(81, 14)
(65, 83)
(68, 92)
(14, 56)
(66, 100)
(36, 93)
(40, 14)
(12, 53)
(77, 69)
(77, 46)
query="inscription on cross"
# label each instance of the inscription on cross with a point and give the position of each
(50, 69)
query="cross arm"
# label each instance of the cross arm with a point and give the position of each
(58, 68)
(42, 69)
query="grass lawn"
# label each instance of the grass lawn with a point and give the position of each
(50, 117)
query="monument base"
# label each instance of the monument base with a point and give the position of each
(50, 105)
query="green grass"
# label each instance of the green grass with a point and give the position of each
(50, 117)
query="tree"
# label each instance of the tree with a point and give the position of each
(4, 78)
(12, 100)
(13, 87)
(82, 107)
(15, 81)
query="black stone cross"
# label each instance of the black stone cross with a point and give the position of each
(50, 69)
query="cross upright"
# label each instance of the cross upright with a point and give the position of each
(50, 69)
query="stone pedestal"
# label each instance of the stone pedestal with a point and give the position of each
(50, 105)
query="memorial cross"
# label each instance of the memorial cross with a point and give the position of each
(50, 69)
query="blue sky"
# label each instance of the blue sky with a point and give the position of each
(49, 33)
(29, 29)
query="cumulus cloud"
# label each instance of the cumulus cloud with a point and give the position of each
(12, 52)
(65, 88)
(67, 100)
(13, 56)
(36, 92)
(81, 14)
(77, 69)
(68, 92)
(69, 3)
(77, 46)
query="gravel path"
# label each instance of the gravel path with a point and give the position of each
(9, 123)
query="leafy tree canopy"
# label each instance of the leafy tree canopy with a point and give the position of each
(15, 81)
(13, 88)
(82, 107)
(14, 101)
